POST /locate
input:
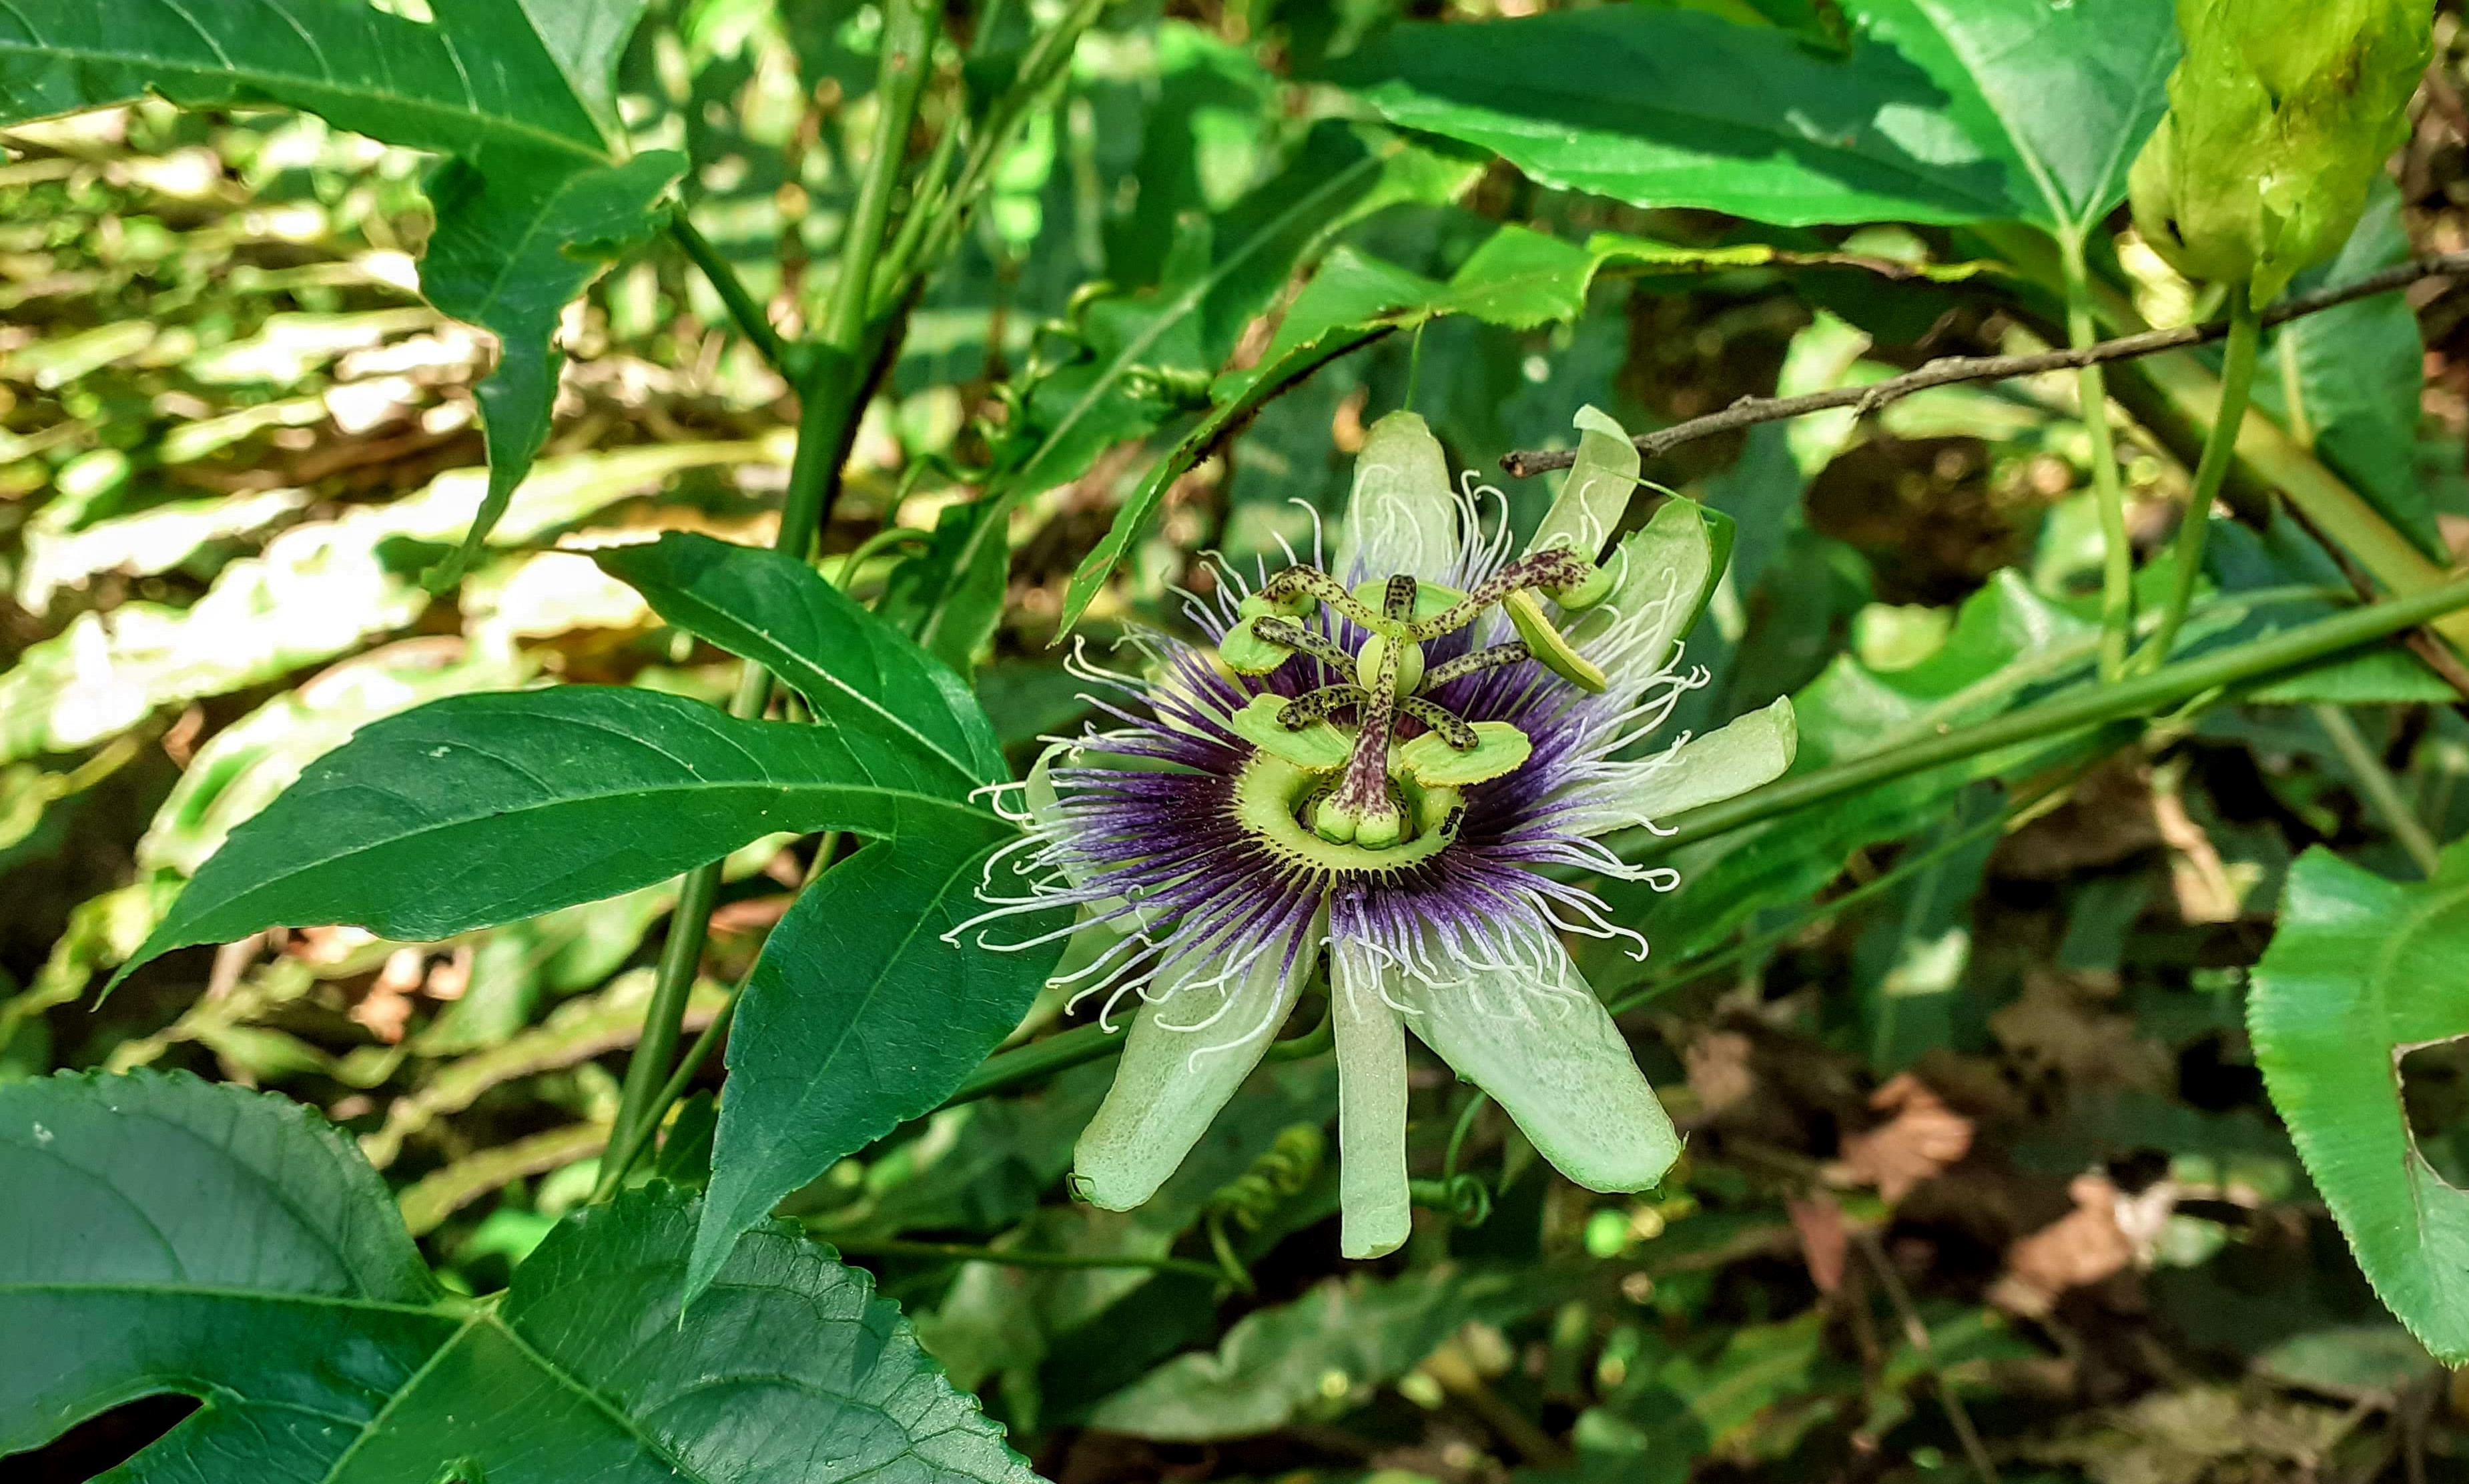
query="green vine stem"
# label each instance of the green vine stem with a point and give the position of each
(2381, 790)
(2219, 447)
(2143, 695)
(735, 296)
(961, 1252)
(2091, 392)
(831, 391)
(1620, 999)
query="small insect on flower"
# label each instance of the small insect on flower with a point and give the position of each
(1379, 764)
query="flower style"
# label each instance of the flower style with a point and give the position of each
(1391, 767)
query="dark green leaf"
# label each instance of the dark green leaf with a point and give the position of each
(2362, 970)
(1674, 107)
(533, 200)
(852, 666)
(168, 1235)
(861, 1014)
(1979, 111)
(2066, 93)
(483, 809)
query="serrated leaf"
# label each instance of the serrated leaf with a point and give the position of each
(2361, 971)
(776, 610)
(483, 809)
(861, 1015)
(533, 200)
(168, 1235)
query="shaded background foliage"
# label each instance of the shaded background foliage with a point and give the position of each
(1986, 1146)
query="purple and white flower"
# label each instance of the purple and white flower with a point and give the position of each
(1402, 766)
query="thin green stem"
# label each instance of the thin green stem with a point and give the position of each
(1458, 1134)
(2219, 447)
(2141, 695)
(625, 1148)
(1689, 973)
(833, 383)
(1035, 1062)
(740, 304)
(1230, 1266)
(1043, 64)
(874, 545)
(962, 1252)
(908, 29)
(2382, 791)
(641, 1099)
(2091, 391)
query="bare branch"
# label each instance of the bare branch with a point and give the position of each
(1951, 369)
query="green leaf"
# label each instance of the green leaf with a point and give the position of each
(1321, 1354)
(776, 610)
(533, 199)
(1674, 107)
(2066, 93)
(1192, 319)
(860, 1015)
(2362, 970)
(1943, 110)
(168, 1235)
(482, 809)
(1691, 1405)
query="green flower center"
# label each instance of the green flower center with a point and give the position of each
(1363, 790)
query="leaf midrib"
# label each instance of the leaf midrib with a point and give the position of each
(1923, 185)
(358, 1303)
(275, 85)
(934, 800)
(790, 659)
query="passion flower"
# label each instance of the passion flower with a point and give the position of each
(1400, 763)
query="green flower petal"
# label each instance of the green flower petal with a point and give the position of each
(1376, 1212)
(1401, 517)
(1557, 1064)
(1597, 490)
(1744, 754)
(1163, 1097)
(1664, 570)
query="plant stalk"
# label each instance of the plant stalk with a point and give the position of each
(869, 1246)
(2091, 392)
(2219, 447)
(2381, 790)
(751, 321)
(836, 378)
(2140, 695)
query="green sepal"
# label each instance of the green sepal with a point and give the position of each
(1596, 492)
(1246, 653)
(1499, 749)
(1550, 649)
(1316, 747)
